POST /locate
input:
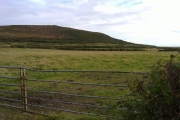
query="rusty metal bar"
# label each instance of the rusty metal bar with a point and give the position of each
(75, 95)
(8, 77)
(9, 84)
(105, 71)
(10, 99)
(10, 106)
(80, 83)
(4, 91)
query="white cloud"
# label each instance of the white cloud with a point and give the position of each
(43, 2)
(109, 8)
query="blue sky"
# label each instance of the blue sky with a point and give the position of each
(153, 22)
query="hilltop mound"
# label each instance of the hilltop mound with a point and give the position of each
(56, 37)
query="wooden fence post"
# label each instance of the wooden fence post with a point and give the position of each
(23, 89)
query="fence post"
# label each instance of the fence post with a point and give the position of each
(23, 89)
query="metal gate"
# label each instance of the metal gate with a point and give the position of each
(96, 93)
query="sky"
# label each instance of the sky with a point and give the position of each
(152, 22)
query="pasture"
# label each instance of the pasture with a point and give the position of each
(43, 59)
(81, 60)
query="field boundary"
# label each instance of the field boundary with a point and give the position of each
(36, 100)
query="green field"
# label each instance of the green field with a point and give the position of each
(45, 59)
(81, 60)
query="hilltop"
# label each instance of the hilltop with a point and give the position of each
(56, 37)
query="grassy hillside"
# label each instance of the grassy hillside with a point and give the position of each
(55, 37)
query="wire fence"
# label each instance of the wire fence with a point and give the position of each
(45, 92)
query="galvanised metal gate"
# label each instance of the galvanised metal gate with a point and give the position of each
(97, 93)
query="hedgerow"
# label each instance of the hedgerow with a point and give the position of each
(159, 98)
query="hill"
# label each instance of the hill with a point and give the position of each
(56, 37)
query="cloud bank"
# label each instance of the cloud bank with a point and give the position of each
(153, 22)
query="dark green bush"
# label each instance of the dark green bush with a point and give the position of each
(159, 99)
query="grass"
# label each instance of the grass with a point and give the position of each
(14, 114)
(81, 60)
(75, 60)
